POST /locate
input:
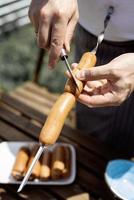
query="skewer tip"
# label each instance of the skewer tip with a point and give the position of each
(19, 189)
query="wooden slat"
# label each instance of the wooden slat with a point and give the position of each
(5, 195)
(44, 102)
(63, 192)
(40, 99)
(41, 91)
(23, 108)
(7, 132)
(28, 102)
(20, 122)
(31, 193)
(93, 185)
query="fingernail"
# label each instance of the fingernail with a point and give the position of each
(68, 48)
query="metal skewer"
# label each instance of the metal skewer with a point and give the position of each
(101, 35)
(37, 156)
(64, 58)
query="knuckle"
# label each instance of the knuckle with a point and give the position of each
(89, 105)
(120, 99)
(60, 13)
(76, 17)
(114, 73)
(56, 42)
(43, 13)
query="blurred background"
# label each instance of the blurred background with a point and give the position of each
(19, 51)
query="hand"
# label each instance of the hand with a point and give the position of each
(55, 21)
(110, 84)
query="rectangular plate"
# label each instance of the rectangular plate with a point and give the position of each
(8, 151)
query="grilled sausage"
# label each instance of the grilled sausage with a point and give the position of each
(20, 163)
(58, 162)
(45, 170)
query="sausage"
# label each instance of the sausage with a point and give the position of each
(45, 170)
(20, 163)
(58, 162)
(55, 120)
(67, 157)
(87, 61)
(36, 169)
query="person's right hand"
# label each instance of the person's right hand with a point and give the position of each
(54, 21)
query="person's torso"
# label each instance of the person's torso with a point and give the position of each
(121, 25)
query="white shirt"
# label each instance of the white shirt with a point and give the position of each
(121, 25)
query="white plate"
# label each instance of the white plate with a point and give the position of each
(119, 176)
(8, 151)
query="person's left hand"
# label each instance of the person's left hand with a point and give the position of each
(110, 84)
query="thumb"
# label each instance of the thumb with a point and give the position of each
(96, 73)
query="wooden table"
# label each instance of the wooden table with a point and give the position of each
(19, 122)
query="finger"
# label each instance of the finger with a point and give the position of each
(100, 72)
(94, 84)
(35, 21)
(88, 90)
(108, 99)
(74, 65)
(67, 73)
(57, 39)
(34, 17)
(70, 30)
(44, 33)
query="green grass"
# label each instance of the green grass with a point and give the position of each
(18, 55)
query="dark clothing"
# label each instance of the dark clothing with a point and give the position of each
(112, 125)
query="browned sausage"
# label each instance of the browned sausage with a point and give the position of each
(36, 169)
(45, 171)
(87, 61)
(55, 121)
(20, 163)
(58, 162)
